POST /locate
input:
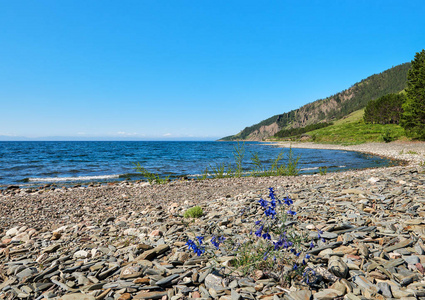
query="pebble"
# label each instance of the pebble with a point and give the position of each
(94, 243)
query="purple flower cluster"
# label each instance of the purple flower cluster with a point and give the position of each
(216, 241)
(284, 242)
(309, 276)
(288, 241)
(270, 211)
(196, 248)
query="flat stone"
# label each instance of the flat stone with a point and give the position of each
(412, 259)
(398, 293)
(151, 254)
(149, 295)
(338, 267)
(329, 235)
(26, 273)
(353, 191)
(125, 296)
(317, 250)
(12, 231)
(51, 248)
(393, 263)
(213, 281)
(364, 283)
(235, 295)
(327, 294)
(385, 289)
(300, 295)
(81, 254)
(167, 279)
(131, 272)
(403, 244)
(77, 296)
(352, 296)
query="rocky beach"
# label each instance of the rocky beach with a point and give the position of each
(128, 240)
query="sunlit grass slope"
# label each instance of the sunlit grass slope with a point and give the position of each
(352, 130)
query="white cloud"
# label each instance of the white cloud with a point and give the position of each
(167, 134)
(7, 134)
(123, 133)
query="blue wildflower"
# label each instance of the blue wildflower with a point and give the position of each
(319, 235)
(200, 238)
(192, 246)
(307, 256)
(258, 232)
(288, 201)
(263, 202)
(271, 194)
(216, 241)
(278, 244)
(287, 244)
(270, 212)
(292, 213)
(199, 251)
(306, 279)
(308, 275)
(258, 222)
(295, 267)
(312, 244)
(267, 236)
(266, 255)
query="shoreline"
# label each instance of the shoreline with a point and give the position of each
(123, 238)
(208, 188)
(411, 152)
(405, 153)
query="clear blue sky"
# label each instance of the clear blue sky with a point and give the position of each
(181, 69)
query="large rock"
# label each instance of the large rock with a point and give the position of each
(338, 267)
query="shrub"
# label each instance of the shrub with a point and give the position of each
(194, 212)
(387, 136)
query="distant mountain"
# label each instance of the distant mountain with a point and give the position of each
(331, 108)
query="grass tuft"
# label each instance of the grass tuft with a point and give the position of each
(193, 212)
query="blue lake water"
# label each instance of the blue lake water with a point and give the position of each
(32, 163)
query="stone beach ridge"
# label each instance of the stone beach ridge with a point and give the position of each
(127, 240)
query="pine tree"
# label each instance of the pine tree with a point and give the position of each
(413, 119)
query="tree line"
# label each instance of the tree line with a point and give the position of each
(406, 109)
(385, 110)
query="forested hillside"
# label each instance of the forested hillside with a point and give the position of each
(331, 108)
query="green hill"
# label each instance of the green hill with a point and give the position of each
(332, 108)
(353, 130)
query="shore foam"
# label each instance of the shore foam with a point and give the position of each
(81, 178)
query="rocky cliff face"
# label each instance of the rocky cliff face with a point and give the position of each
(312, 113)
(263, 132)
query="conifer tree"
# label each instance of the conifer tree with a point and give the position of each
(413, 119)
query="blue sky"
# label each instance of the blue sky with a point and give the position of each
(187, 69)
